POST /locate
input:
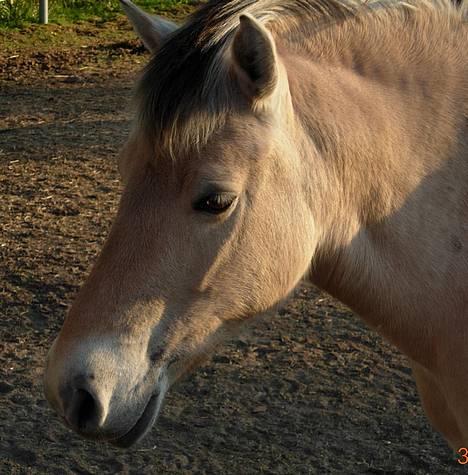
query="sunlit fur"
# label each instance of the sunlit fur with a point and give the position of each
(182, 102)
(350, 169)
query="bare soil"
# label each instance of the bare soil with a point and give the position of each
(310, 390)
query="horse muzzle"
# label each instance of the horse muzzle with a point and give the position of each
(102, 397)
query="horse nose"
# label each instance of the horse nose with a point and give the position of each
(82, 408)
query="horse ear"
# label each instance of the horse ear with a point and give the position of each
(152, 30)
(254, 57)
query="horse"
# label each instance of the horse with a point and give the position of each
(276, 141)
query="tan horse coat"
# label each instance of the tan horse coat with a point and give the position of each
(312, 139)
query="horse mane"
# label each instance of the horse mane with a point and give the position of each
(185, 92)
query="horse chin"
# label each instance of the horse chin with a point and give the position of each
(143, 424)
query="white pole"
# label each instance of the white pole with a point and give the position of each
(43, 11)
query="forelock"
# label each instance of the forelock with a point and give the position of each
(186, 91)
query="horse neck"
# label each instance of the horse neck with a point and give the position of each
(371, 148)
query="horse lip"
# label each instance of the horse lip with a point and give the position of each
(143, 424)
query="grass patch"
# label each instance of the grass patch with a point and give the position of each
(16, 13)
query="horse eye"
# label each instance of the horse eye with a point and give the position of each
(215, 203)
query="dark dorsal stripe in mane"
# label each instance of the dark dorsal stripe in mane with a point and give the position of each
(180, 81)
(181, 99)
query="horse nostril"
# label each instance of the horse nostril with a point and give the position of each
(84, 411)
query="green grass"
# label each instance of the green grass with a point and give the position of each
(16, 13)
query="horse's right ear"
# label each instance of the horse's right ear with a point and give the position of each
(152, 30)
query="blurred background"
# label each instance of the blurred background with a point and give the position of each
(15, 13)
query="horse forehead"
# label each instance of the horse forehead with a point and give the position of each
(238, 143)
(221, 158)
(227, 155)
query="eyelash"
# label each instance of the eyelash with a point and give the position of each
(215, 203)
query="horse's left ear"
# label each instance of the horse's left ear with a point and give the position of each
(254, 58)
(152, 30)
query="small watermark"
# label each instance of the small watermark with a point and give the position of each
(463, 458)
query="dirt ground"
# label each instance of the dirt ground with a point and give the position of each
(308, 391)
